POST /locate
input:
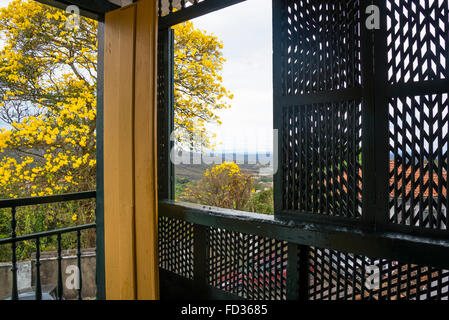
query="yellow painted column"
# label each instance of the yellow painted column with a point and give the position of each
(130, 187)
(145, 128)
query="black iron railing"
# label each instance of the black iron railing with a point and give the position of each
(36, 237)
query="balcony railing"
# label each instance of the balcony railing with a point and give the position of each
(14, 239)
(212, 253)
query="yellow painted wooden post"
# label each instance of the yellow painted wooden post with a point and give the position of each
(145, 150)
(130, 188)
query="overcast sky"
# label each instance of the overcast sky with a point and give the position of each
(245, 30)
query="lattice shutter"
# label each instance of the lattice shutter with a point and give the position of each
(363, 115)
(416, 73)
(165, 113)
(320, 105)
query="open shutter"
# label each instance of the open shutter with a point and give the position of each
(323, 105)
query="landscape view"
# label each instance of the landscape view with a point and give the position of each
(48, 83)
(247, 186)
(223, 101)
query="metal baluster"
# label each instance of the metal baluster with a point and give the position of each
(170, 6)
(60, 291)
(183, 4)
(15, 294)
(38, 270)
(78, 254)
(160, 8)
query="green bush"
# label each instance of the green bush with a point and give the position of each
(262, 202)
(40, 218)
(180, 185)
(225, 186)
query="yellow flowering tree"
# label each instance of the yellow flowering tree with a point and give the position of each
(198, 89)
(48, 91)
(223, 186)
(47, 85)
(48, 112)
(48, 78)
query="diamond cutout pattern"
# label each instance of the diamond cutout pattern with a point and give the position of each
(249, 266)
(176, 246)
(320, 46)
(419, 143)
(417, 40)
(322, 146)
(335, 275)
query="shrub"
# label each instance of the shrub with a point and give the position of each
(223, 186)
(262, 202)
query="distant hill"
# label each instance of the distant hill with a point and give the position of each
(196, 171)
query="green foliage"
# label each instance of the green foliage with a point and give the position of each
(226, 186)
(266, 179)
(262, 202)
(180, 186)
(33, 219)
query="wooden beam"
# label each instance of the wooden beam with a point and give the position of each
(145, 130)
(94, 9)
(130, 186)
(405, 248)
(119, 220)
(195, 11)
